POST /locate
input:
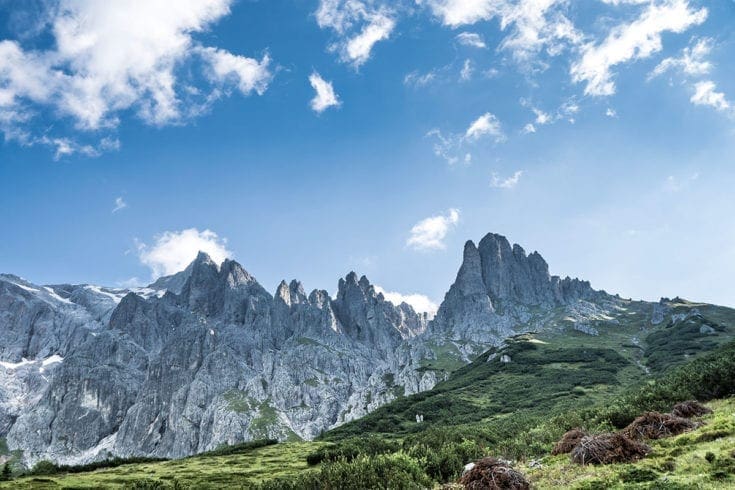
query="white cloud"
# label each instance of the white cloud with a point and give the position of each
(112, 57)
(693, 60)
(507, 183)
(446, 146)
(358, 24)
(541, 116)
(419, 302)
(705, 93)
(467, 69)
(485, 125)
(325, 96)
(247, 74)
(471, 39)
(451, 147)
(120, 204)
(566, 110)
(610, 112)
(416, 79)
(455, 13)
(693, 63)
(429, 233)
(173, 251)
(532, 25)
(632, 41)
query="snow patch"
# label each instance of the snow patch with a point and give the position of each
(55, 296)
(32, 290)
(13, 366)
(115, 296)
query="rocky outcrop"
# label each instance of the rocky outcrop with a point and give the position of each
(500, 291)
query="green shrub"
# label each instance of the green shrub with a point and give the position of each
(638, 475)
(349, 449)
(384, 471)
(240, 448)
(44, 468)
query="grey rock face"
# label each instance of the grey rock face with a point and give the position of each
(221, 361)
(500, 291)
(208, 357)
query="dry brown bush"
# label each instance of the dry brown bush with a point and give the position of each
(494, 474)
(655, 425)
(689, 409)
(568, 441)
(608, 448)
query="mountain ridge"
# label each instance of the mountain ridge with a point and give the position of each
(217, 359)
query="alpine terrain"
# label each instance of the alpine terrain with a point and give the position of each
(208, 357)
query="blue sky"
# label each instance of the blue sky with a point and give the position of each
(311, 138)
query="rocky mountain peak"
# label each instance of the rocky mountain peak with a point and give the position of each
(291, 293)
(235, 275)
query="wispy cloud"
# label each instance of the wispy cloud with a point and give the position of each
(453, 147)
(486, 125)
(417, 79)
(120, 204)
(325, 96)
(692, 61)
(471, 39)
(429, 233)
(467, 69)
(632, 41)
(358, 24)
(533, 27)
(506, 183)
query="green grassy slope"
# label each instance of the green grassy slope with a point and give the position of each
(556, 370)
(205, 471)
(701, 459)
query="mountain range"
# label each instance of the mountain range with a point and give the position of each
(208, 357)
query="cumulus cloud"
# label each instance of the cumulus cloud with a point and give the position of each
(120, 204)
(124, 56)
(471, 39)
(706, 94)
(429, 233)
(506, 183)
(173, 251)
(632, 41)
(486, 125)
(325, 96)
(419, 302)
(358, 25)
